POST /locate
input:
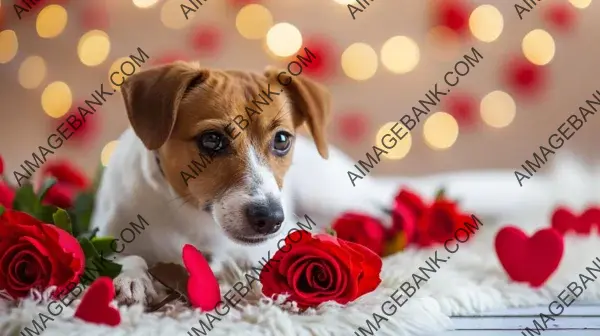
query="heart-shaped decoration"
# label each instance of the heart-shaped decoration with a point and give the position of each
(564, 220)
(203, 287)
(529, 259)
(94, 306)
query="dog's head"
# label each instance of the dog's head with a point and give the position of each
(225, 138)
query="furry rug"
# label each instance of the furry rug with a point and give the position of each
(471, 281)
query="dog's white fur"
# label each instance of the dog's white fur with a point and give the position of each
(132, 184)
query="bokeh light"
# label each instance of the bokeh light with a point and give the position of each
(538, 47)
(51, 21)
(32, 72)
(9, 45)
(107, 152)
(56, 99)
(172, 16)
(440, 130)
(144, 3)
(253, 21)
(581, 4)
(116, 67)
(359, 61)
(93, 47)
(498, 109)
(400, 54)
(486, 23)
(402, 147)
(284, 39)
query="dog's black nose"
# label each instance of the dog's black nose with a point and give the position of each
(265, 218)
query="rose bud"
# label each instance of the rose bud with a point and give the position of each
(407, 208)
(7, 195)
(438, 223)
(361, 229)
(70, 181)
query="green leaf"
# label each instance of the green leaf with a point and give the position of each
(45, 213)
(62, 220)
(110, 269)
(331, 232)
(48, 183)
(1, 210)
(102, 245)
(88, 248)
(91, 272)
(441, 194)
(83, 208)
(26, 200)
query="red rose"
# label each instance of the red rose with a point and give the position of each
(361, 229)
(70, 181)
(1, 165)
(407, 209)
(36, 255)
(321, 268)
(438, 223)
(7, 195)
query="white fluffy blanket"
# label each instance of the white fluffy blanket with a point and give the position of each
(471, 281)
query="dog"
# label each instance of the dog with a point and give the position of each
(259, 179)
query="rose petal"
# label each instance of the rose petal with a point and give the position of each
(12, 282)
(370, 266)
(7, 195)
(65, 172)
(61, 195)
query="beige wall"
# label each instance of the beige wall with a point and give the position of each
(573, 77)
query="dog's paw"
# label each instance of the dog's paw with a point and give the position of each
(134, 285)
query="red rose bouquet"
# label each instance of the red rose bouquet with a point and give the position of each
(45, 237)
(413, 222)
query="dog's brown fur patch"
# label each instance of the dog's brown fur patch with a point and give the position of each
(170, 106)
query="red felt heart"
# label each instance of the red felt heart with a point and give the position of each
(564, 220)
(94, 306)
(529, 259)
(203, 287)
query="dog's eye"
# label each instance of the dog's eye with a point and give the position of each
(282, 143)
(212, 142)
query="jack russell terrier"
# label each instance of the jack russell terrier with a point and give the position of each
(246, 198)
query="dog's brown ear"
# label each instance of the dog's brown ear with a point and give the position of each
(152, 99)
(311, 100)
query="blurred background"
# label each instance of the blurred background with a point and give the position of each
(536, 70)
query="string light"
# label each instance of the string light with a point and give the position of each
(538, 47)
(116, 67)
(144, 3)
(9, 45)
(581, 4)
(51, 21)
(400, 149)
(172, 16)
(440, 130)
(400, 54)
(32, 72)
(486, 23)
(253, 21)
(359, 61)
(93, 47)
(56, 99)
(498, 109)
(107, 152)
(284, 39)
